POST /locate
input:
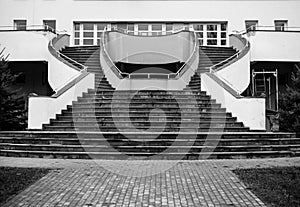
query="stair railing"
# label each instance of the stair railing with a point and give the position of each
(64, 57)
(191, 58)
(107, 58)
(214, 68)
(45, 28)
(76, 65)
(126, 31)
(176, 75)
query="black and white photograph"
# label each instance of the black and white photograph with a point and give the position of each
(150, 103)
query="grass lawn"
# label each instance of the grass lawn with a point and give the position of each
(14, 180)
(278, 186)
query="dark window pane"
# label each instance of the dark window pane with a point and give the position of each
(251, 25)
(200, 34)
(143, 27)
(76, 42)
(50, 23)
(223, 34)
(99, 34)
(223, 42)
(212, 42)
(169, 27)
(212, 35)
(157, 27)
(101, 26)
(88, 34)
(211, 27)
(122, 25)
(88, 26)
(280, 25)
(20, 24)
(88, 41)
(77, 26)
(98, 41)
(200, 42)
(77, 34)
(130, 27)
(223, 27)
(198, 27)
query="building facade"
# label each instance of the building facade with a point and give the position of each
(271, 28)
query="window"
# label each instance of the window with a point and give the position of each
(50, 25)
(156, 29)
(76, 33)
(130, 29)
(169, 28)
(223, 33)
(280, 25)
(20, 24)
(213, 34)
(251, 25)
(88, 33)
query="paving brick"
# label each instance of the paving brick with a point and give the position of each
(184, 184)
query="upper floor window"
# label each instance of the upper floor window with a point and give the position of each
(50, 25)
(212, 34)
(20, 24)
(280, 25)
(88, 33)
(251, 24)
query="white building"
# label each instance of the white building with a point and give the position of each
(271, 27)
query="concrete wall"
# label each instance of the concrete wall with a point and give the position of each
(237, 74)
(129, 48)
(33, 46)
(42, 109)
(275, 46)
(67, 11)
(155, 84)
(250, 111)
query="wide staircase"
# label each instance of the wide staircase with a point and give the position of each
(109, 124)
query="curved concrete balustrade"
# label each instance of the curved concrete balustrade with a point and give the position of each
(179, 81)
(236, 72)
(149, 49)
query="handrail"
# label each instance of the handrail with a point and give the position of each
(272, 28)
(125, 31)
(183, 68)
(227, 61)
(72, 80)
(45, 28)
(114, 68)
(176, 75)
(59, 54)
(225, 84)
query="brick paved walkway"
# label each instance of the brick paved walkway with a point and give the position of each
(139, 183)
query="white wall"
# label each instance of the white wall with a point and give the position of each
(33, 46)
(275, 46)
(250, 111)
(128, 48)
(237, 74)
(42, 109)
(67, 11)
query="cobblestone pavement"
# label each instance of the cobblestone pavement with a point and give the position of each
(138, 183)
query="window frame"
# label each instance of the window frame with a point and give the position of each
(18, 26)
(282, 27)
